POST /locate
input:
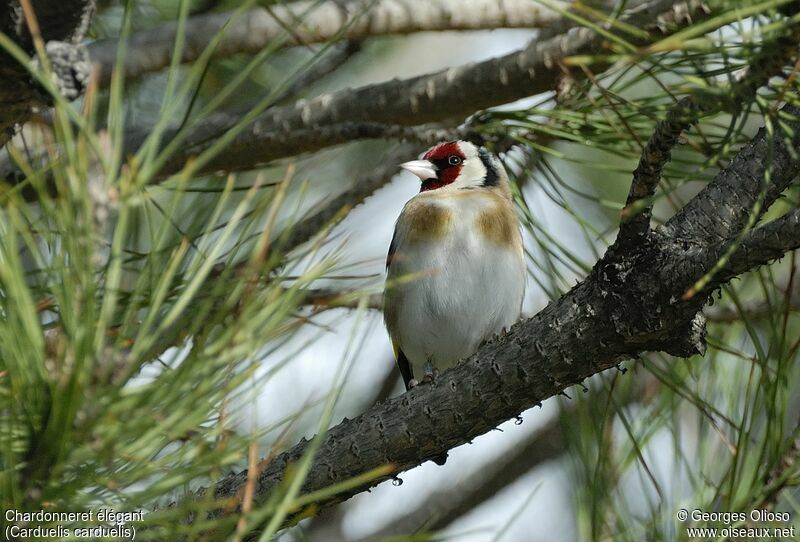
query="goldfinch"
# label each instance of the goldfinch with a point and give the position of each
(455, 269)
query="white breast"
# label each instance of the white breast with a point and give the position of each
(468, 287)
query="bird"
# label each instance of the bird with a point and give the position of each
(455, 271)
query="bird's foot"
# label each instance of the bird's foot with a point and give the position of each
(428, 378)
(495, 336)
(431, 373)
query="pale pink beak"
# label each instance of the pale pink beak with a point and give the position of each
(424, 169)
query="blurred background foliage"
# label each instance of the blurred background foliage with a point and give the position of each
(155, 336)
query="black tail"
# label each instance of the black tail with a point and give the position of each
(405, 368)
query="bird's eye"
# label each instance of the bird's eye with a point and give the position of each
(454, 160)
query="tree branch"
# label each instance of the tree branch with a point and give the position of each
(383, 110)
(769, 62)
(546, 443)
(444, 506)
(723, 207)
(62, 24)
(751, 311)
(341, 117)
(630, 303)
(761, 245)
(220, 121)
(312, 22)
(639, 206)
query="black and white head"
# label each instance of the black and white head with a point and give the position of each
(456, 165)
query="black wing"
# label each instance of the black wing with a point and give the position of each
(402, 361)
(392, 248)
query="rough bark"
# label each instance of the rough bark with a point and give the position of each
(457, 92)
(443, 506)
(383, 110)
(631, 302)
(546, 443)
(761, 246)
(723, 207)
